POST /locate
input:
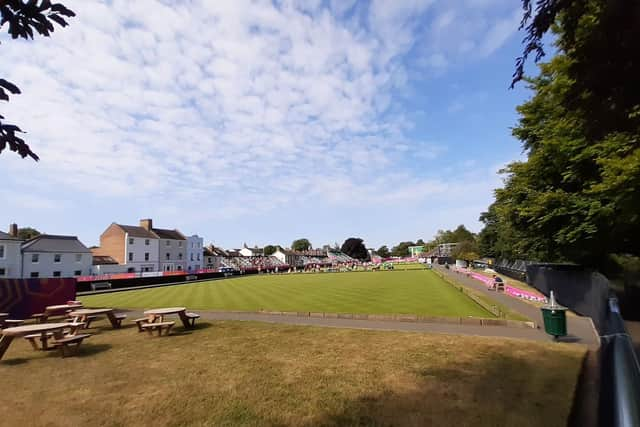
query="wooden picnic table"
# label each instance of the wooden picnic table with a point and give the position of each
(159, 313)
(20, 331)
(83, 314)
(56, 310)
(3, 316)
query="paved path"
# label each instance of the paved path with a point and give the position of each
(580, 328)
(442, 328)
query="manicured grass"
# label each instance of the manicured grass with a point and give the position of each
(419, 292)
(251, 374)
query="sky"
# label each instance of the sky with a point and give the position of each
(262, 122)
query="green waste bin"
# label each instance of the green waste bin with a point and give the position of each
(555, 320)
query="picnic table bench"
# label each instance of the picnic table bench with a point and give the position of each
(60, 310)
(87, 315)
(55, 329)
(188, 319)
(69, 344)
(159, 326)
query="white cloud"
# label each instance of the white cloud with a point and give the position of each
(246, 103)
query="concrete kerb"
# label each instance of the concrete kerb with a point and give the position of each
(412, 318)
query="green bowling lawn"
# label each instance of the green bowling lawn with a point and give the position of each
(419, 292)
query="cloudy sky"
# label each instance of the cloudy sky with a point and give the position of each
(262, 122)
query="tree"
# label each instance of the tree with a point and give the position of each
(355, 248)
(575, 198)
(460, 234)
(301, 245)
(269, 250)
(466, 250)
(23, 18)
(383, 252)
(402, 249)
(26, 233)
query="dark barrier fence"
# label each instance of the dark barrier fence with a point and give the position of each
(584, 292)
(147, 281)
(23, 297)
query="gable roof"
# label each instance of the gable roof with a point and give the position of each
(168, 234)
(52, 243)
(103, 260)
(135, 231)
(5, 236)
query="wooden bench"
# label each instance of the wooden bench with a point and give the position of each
(33, 337)
(191, 318)
(69, 344)
(141, 321)
(10, 323)
(100, 285)
(159, 326)
(119, 317)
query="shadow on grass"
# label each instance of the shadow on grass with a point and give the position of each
(498, 390)
(14, 362)
(181, 330)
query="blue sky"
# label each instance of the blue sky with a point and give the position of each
(264, 122)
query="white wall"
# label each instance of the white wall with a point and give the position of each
(108, 269)
(46, 265)
(195, 260)
(138, 249)
(11, 261)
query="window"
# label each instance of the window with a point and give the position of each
(77, 273)
(57, 258)
(198, 256)
(35, 274)
(180, 255)
(179, 267)
(146, 256)
(78, 257)
(1, 251)
(146, 242)
(179, 244)
(192, 257)
(2, 272)
(168, 243)
(131, 270)
(130, 256)
(168, 255)
(131, 240)
(56, 274)
(35, 258)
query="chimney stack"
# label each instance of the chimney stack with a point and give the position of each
(147, 224)
(13, 230)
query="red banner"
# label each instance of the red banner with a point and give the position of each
(23, 297)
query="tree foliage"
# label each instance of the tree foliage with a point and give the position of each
(269, 250)
(26, 233)
(466, 250)
(354, 247)
(401, 249)
(383, 252)
(460, 234)
(576, 196)
(23, 18)
(301, 245)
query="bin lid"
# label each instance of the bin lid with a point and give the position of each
(553, 305)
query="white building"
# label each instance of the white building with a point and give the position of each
(194, 253)
(10, 256)
(245, 251)
(47, 256)
(288, 257)
(445, 249)
(135, 247)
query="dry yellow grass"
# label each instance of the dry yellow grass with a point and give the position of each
(237, 373)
